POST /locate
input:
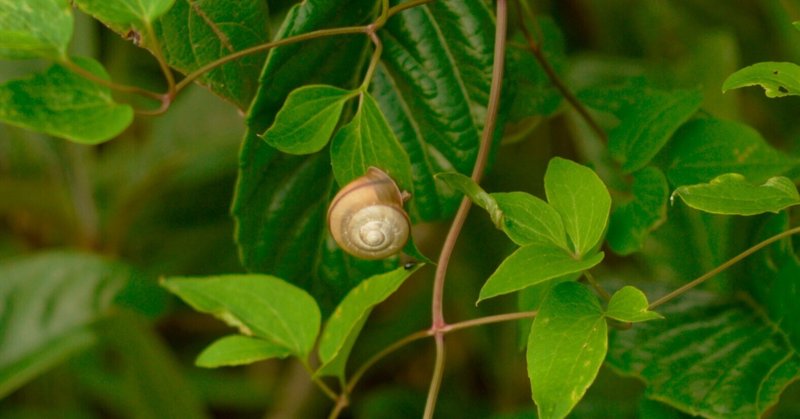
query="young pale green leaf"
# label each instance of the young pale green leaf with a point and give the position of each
(367, 141)
(124, 15)
(346, 322)
(48, 302)
(732, 194)
(706, 148)
(195, 33)
(582, 200)
(527, 220)
(567, 345)
(258, 305)
(307, 119)
(629, 304)
(35, 28)
(239, 350)
(777, 79)
(633, 220)
(474, 192)
(708, 358)
(531, 265)
(63, 104)
(648, 118)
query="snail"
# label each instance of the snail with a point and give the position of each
(366, 217)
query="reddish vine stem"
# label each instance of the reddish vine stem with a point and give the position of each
(536, 48)
(438, 322)
(710, 274)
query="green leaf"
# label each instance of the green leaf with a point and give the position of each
(648, 118)
(474, 192)
(433, 87)
(527, 220)
(281, 200)
(346, 322)
(307, 119)
(239, 350)
(367, 141)
(124, 15)
(777, 79)
(582, 200)
(63, 104)
(49, 301)
(35, 28)
(635, 217)
(258, 305)
(706, 148)
(731, 194)
(629, 304)
(708, 358)
(194, 33)
(531, 265)
(567, 345)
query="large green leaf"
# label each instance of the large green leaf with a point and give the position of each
(281, 200)
(708, 358)
(239, 350)
(35, 28)
(567, 345)
(307, 119)
(368, 141)
(47, 302)
(706, 148)
(640, 213)
(346, 322)
(125, 15)
(258, 305)
(433, 87)
(732, 194)
(533, 264)
(777, 79)
(196, 32)
(582, 200)
(648, 118)
(63, 104)
(527, 219)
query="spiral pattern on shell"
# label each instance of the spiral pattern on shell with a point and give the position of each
(366, 217)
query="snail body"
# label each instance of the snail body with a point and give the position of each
(366, 217)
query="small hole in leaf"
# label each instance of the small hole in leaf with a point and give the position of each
(783, 89)
(775, 72)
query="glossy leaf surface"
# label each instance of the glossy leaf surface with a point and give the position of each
(346, 322)
(35, 28)
(708, 358)
(582, 200)
(307, 119)
(258, 305)
(61, 103)
(567, 345)
(48, 303)
(124, 15)
(733, 194)
(778, 79)
(239, 350)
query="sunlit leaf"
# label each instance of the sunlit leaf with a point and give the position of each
(527, 219)
(63, 104)
(732, 194)
(777, 79)
(239, 350)
(123, 15)
(35, 28)
(629, 304)
(258, 305)
(567, 345)
(582, 200)
(307, 119)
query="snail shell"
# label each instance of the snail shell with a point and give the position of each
(366, 217)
